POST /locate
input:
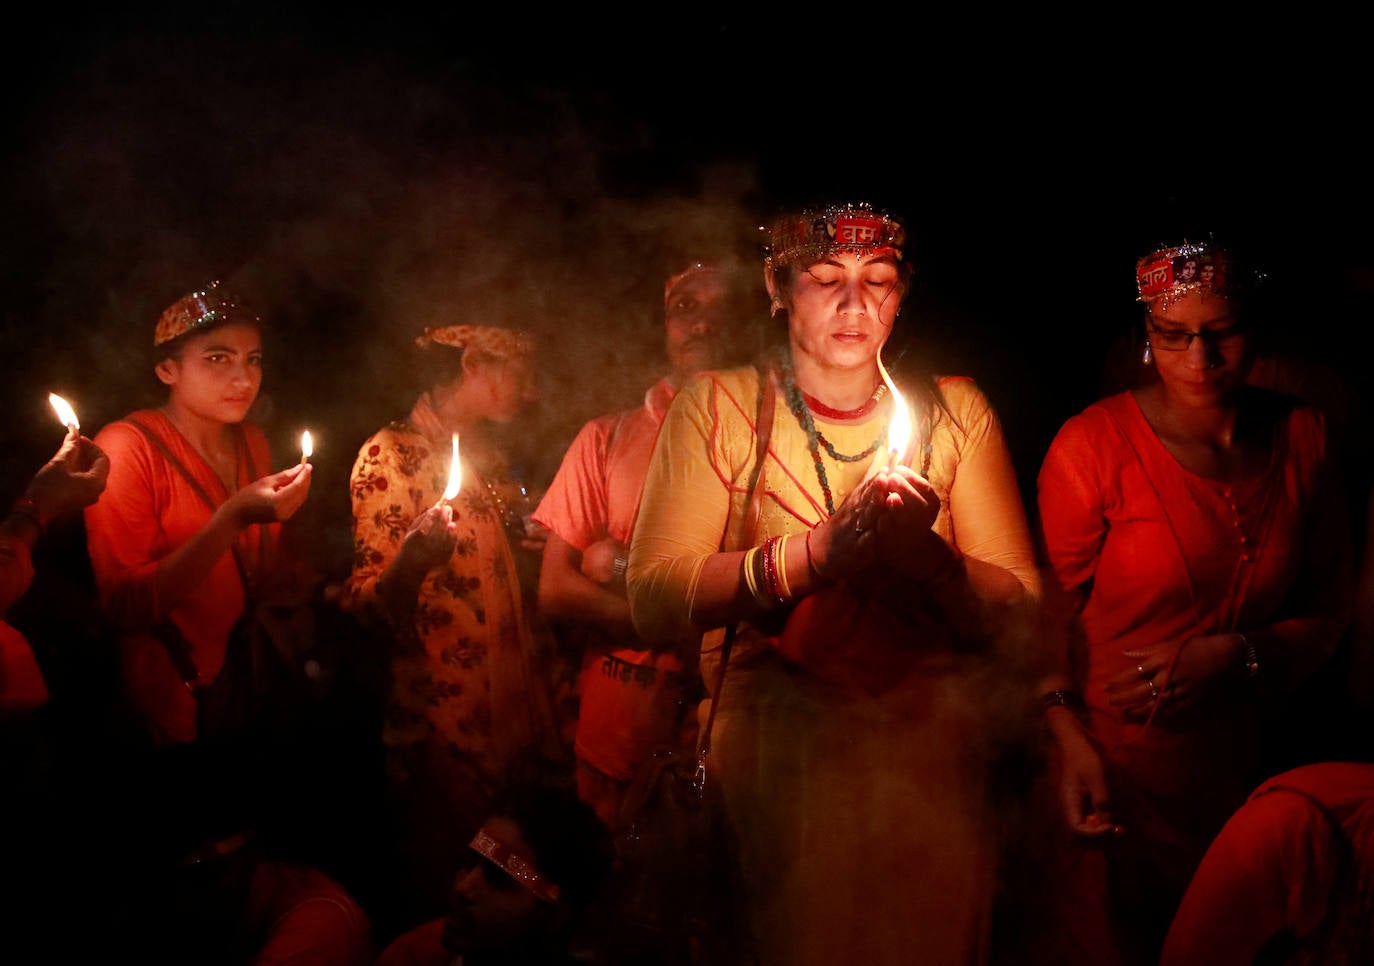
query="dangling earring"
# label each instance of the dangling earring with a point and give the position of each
(1148, 356)
(775, 306)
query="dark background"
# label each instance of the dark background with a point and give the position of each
(358, 176)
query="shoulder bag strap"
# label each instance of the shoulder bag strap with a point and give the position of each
(763, 431)
(176, 464)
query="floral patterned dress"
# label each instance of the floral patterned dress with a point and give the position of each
(466, 703)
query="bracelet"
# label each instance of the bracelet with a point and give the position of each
(780, 568)
(810, 560)
(1061, 698)
(1250, 655)
(618, 566)
(25, 507)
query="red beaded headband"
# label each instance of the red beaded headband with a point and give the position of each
(517, 866)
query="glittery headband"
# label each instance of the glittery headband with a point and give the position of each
(811, 234)
(691, 271)
(1188, 267)
(519, 867)
(200, 310)
(486, 339)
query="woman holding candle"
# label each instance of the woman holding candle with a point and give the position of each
(191, 516)
(861, 702)
(466, 704)
(1197, 534)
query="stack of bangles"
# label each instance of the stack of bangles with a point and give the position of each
(765, 573)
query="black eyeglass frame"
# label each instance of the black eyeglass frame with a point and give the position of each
(1211, 338)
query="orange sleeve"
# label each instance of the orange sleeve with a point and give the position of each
(383, 509)
(122, 532)
(574, 506)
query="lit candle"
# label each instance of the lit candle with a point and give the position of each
(455, 476)
(65, 412)
(307, 447)
(899, 432)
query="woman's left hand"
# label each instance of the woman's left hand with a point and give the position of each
(1202, 664)
(906, 507)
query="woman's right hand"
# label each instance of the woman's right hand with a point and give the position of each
(1082, 780)
(430, 539)
(843, 544)
(272, 498)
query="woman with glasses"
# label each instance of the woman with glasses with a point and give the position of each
(1197, 539)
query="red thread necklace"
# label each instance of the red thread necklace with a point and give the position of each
(825, 412)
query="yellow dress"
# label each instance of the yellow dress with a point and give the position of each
(864, 816)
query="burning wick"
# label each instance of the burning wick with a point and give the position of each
(65, 412)
(899, 433)
(455, 477)
(307, 447)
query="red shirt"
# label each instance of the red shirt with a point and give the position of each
(631, 698)
(147, 511)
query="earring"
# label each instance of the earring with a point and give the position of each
(1148, 356)
(775, 306)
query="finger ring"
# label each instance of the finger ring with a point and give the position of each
(858, 527)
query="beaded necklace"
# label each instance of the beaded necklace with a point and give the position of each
(815, 439)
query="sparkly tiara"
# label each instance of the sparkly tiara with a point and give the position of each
(517, 866)
(1169, 273)
(199, 310)
(812, 233)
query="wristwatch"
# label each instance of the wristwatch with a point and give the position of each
(1250, 656)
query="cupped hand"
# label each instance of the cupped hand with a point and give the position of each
(1150, 688)
(843, 544)
(273, 498)
(431, 537)
(906, 507)
(74, 477)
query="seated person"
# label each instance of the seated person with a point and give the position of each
(1290, 878)
(538, 862)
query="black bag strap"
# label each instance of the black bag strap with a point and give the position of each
(763, 432)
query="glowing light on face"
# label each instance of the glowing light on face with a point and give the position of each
(64, 412)
(900, 431)
(307, 446)
(455, 475)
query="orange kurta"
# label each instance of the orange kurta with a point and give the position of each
(1157, 553)
(147, 511)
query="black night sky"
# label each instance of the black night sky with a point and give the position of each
(362, 176)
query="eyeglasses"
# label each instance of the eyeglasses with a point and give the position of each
(1176, 340)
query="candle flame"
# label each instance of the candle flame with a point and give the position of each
(899, 432)
(307, 446)
(455, 474)
(64, 411)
